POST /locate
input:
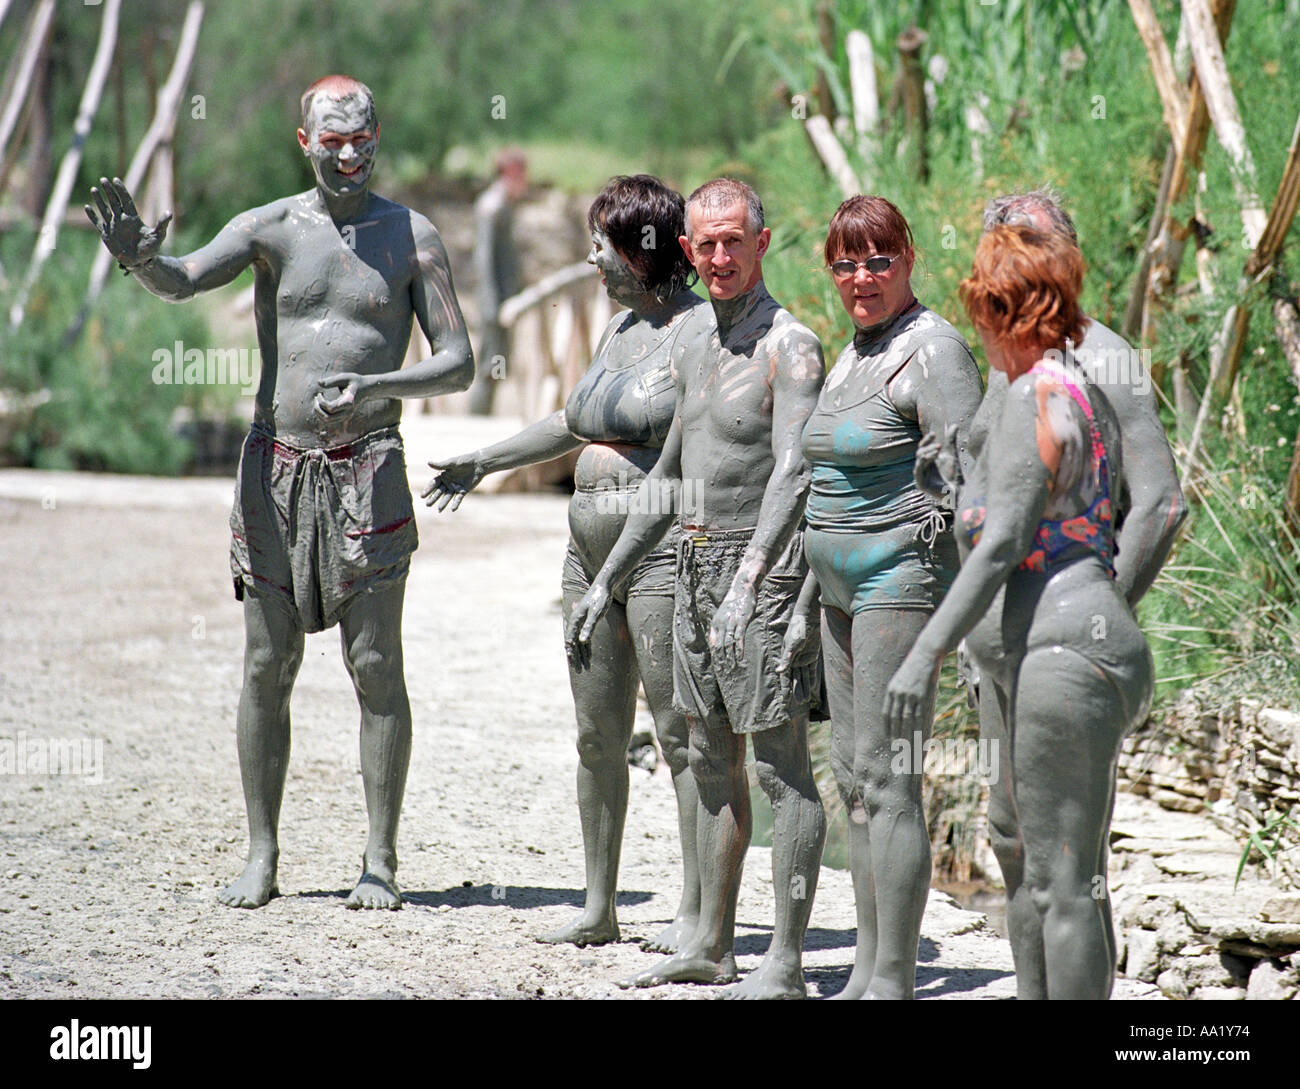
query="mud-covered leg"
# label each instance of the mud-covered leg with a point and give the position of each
(798, 835)
(837, 652)
(273, 645)
(604, 699)
(371, 631)
(725, 824)
(1068, 726)
(650, 619)
(1024, 925)
(887, 778)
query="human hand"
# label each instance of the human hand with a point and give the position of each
(120, 227)
(938, 469)
(796, 639)
(456, 478)
(908, 694)
(727, 632)
(350, 388)
(582, 622)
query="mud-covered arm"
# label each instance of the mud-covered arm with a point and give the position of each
(457, 476)
(450, 368)
(1022, 457)
(644, 529)
(1156, 509)
(797, 373)
(804, 622)
(942, 387)
(136, 246)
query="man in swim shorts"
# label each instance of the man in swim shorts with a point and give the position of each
(322, 527)
(734, 449)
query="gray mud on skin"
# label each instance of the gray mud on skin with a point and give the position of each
(734, 450)
(339, 275)
(621, 410)
(111, 890)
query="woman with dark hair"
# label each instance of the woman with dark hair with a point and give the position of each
(619, 412)
(881, 549)
(1069, 667)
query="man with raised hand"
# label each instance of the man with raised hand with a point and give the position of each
(735, 440)
(322, 525)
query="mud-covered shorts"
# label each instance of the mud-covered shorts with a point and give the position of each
(751, 696)
(314, 528)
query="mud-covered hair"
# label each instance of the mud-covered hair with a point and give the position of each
(721, 194)
(1024, 287)
(643, 218)
(1017, 210)
(339, 88)
(862, 222)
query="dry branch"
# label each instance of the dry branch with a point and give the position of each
(67, 176)
(1173, 95)
(29, 54)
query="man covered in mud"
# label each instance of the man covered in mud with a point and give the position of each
(322, 525)
(734, 452)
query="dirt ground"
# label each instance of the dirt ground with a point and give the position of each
(117, 624)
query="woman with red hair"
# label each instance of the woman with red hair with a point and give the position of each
(880, 546)
(1068, 664)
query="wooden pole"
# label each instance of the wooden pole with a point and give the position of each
(67, 174)
(164, 121)
(832, 155)
(862, 83)
(29, 54)
(826, 36)
(1164, 254)
(910, 44)
(1173, 95)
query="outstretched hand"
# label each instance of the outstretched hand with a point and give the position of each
(938, 468)
(456, 478)
(120, 227)
(582, 622)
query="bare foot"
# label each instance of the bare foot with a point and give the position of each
(256, 885)
(376, 889)
(581, 933)
(772, 979)
(685, 968)
(855, 988)
(670, 938)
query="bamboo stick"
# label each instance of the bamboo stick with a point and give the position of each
(67, 175)
(29, 54)
(1173, 95)
(164, 120)
(862, 83)
(832, 155)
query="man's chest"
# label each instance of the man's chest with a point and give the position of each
(346, 274)
(730, 396)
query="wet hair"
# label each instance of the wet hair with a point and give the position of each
(720, 194)
(1017, 209)
(339, 88)
(1024, 287)
(643, 218)
(861, 222)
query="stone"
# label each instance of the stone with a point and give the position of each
(1210, 971)
(1170, 799)
(1172, 983)
(1219, 994)
(1143, 960)
(1173, 934)
(1284, 908)
(1269, 982)
(1280, 728)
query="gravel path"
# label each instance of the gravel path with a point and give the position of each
(117, 625)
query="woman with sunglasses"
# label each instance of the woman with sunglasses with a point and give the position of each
(881, 549)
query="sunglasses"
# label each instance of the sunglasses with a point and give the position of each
(844, 268)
